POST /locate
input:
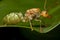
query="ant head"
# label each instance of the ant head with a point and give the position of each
(45, 14)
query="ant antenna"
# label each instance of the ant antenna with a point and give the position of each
(45, 4)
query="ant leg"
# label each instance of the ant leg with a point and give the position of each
(41, 29)
(31, 25)
(43, 22)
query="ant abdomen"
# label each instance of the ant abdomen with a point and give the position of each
(13, 18)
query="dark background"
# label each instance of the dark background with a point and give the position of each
(15, 33)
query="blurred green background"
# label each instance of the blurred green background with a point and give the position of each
(53, 8)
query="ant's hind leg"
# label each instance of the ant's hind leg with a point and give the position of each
(31, 25)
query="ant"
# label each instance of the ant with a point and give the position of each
(31, 14)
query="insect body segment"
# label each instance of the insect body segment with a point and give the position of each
(32, 14)
(45, 14)
(13, 18)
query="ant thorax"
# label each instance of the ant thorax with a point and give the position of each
(33, 13)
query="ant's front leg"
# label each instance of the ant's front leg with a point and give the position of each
(31, 25)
